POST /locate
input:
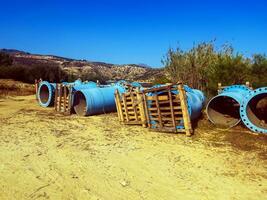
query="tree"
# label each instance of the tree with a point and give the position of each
(191, 66)
(5, 59)
(203, 67)
(259, 71)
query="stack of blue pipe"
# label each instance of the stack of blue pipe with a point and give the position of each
(88, 97)
(46, 90)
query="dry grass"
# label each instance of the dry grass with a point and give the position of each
(10, 87)
(45, 155)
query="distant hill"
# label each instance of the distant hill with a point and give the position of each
(132, 72)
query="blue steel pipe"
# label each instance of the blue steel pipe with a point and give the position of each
(223, 109)
(46, 91)
(253, 110)
(195, 103)
(96, 100)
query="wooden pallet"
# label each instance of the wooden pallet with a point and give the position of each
(166, 111)
(63, 98)
(163, 111)
(130, 108)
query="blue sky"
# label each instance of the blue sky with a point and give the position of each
(132, 31)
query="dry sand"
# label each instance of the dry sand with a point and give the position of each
(44, 155)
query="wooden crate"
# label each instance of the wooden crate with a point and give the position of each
(130, 108)
(166, 111)
(63, 98)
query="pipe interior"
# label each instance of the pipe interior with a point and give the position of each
(79, 103)
(257, 110)
(44, 94)
(224, 111)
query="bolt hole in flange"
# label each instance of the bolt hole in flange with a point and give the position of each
(223, 111)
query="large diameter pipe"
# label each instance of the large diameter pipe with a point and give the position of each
(195, 103)
(95, 100)
(223, 109)
(253, 110)
(46, 91)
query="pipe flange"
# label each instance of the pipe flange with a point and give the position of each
(50, 94)
(229, 88)
(243, 112)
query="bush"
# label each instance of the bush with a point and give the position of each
(28, 74)
(203, 67)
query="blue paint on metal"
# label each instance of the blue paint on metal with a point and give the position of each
(85, 85)
(246, 113)
(195, 103)
(46, 90)
(234, 94)
(96, 100)
(136, 84)
(127, 85)
(45, 94)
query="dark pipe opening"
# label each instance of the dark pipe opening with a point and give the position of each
(44, 94)
(257, 110)
(79, 103)
(224, 111)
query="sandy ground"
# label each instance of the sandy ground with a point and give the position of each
(44, 155)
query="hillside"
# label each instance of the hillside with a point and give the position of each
(78, 68)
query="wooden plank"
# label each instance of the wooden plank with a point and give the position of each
(36, 84)
(131, 112)
(146, 109)
(166, 113)
(130, 117)
(129, 103)
(141, 108)
(69, 99)
(162, 118)
(60, 96)
(134, 107)
(120, 112)
(56, 96)
(159, 114)
(65, 97)
(160, 98)
(165, 108)
(125, 107)
(186, 116)
(172, 110)
(116, 102)
(164, 102)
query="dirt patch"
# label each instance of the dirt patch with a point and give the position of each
(48, 155)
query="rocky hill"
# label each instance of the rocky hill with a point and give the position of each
(83, 67)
